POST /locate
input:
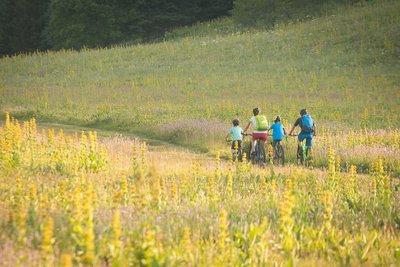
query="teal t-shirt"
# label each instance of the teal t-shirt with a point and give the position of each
(236, 133)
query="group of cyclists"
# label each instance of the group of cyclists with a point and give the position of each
(260, 130)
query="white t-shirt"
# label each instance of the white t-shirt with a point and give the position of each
(254, 123)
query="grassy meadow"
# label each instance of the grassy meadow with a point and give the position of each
(74, 193)
(75, 200)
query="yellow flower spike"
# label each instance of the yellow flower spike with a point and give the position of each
(174, 193)
(47, 241)
(143, 150)
(184, 182)
(264, 185)
(186, 243)
(211, 187)
(217, 165)
(223, 229)
(331, 161)
(50, 136)
(83, 140)
(270, 153)
(328, 204)
(236, 151)
(66, 260)
(337, 161)
(21, 225)
(229, 186)
(163, 188)
(116, 243)
(149, 247)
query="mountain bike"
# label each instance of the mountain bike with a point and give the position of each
(304, 153)
(259, 156)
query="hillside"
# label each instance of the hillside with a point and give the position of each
(344, 68)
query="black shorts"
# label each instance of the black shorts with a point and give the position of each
(239, 145)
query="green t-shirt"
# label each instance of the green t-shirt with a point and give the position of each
(236, 133)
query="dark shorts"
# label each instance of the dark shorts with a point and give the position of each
(261, 136)
(239, 144)
(301, 137)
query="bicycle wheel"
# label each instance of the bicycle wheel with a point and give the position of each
(260, 154)
(240, 154)
(256, 156)
(263, 157)
(279, 155)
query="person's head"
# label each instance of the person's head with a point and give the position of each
(303, 112)
(256, 111)
(235, 122)
(277, 119)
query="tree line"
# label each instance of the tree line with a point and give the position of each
(31, 25)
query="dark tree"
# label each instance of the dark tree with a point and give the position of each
(79, 23)
(22, 25)
(211, 9)
(5, 27)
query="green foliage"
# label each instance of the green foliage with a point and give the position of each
(21, 26)
(5, 17)
(75, 24)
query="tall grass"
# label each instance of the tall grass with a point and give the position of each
(76, 200)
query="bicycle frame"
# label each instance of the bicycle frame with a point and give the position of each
(303, 153)
(259, 156)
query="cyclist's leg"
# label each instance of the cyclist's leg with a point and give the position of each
(274, 143)
(256, 136)
(309, 140)
(300, 139)
(253, 145)
(309, 144)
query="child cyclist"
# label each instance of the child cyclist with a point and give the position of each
(278, 131)
(236, 137)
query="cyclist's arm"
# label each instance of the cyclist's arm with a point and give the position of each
(247, 127)
(291, 131)
(226, 137)
(294, 125)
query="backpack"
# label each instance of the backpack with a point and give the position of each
(307, 124)
(262, 123)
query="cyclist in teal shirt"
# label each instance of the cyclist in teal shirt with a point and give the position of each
(278, 130)
(236, 134)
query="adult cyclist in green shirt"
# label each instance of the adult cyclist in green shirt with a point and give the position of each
(260, 128)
